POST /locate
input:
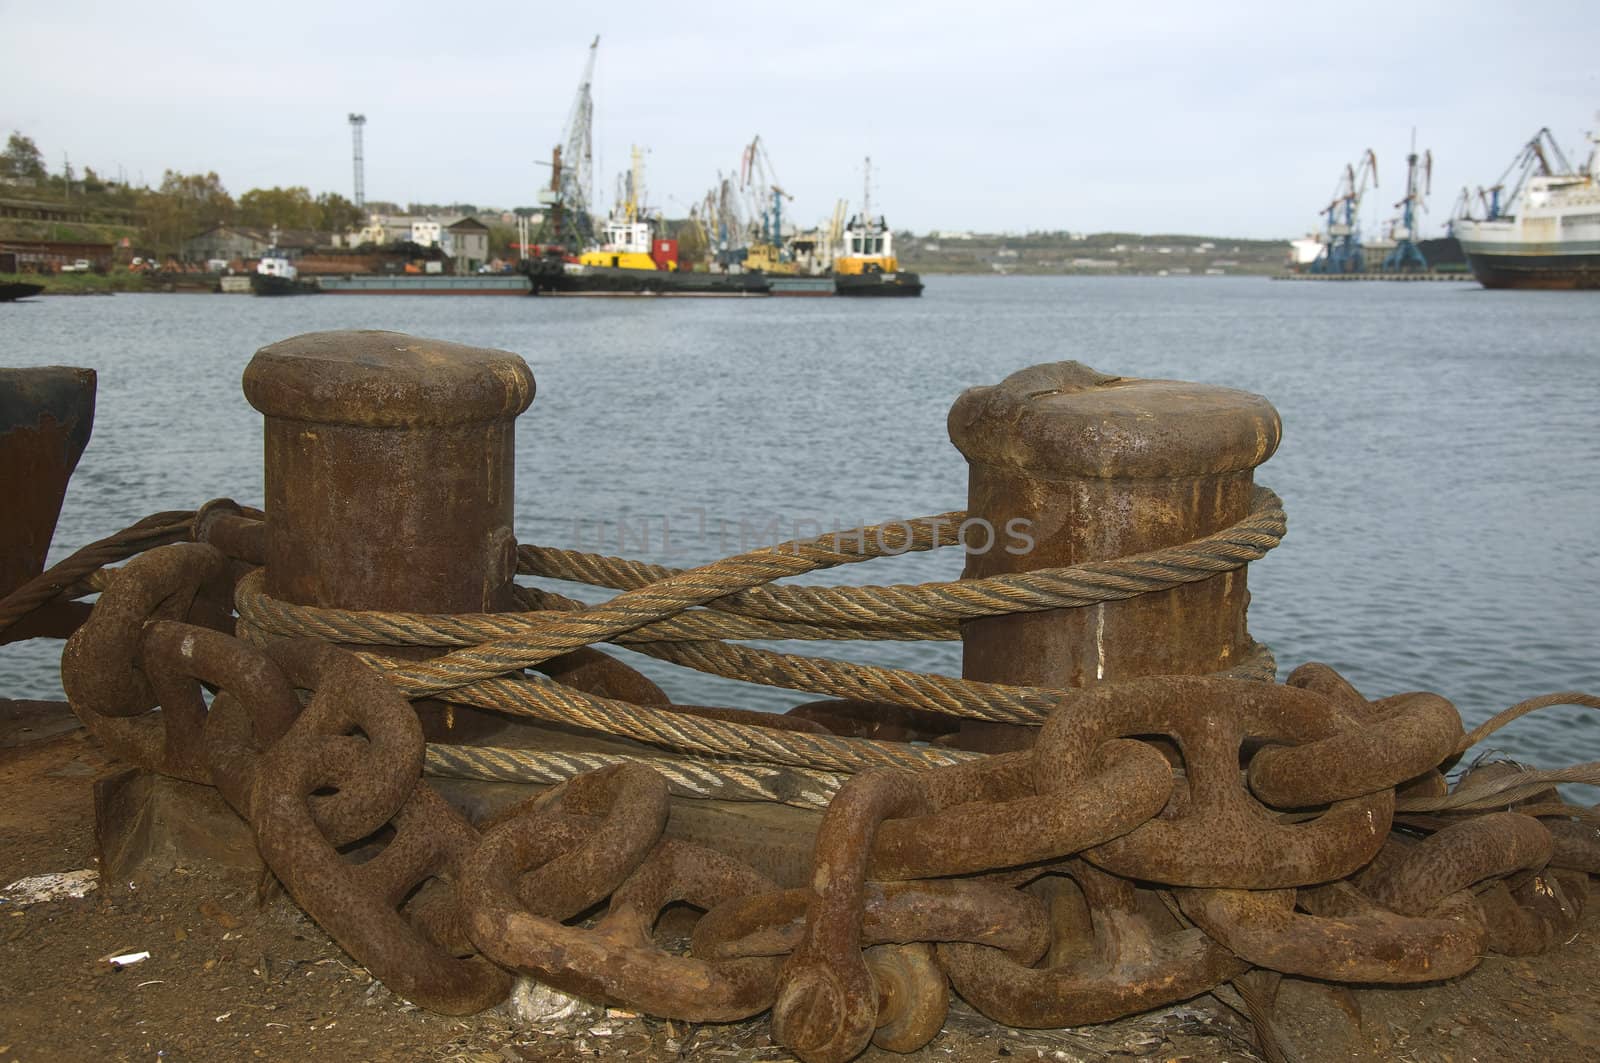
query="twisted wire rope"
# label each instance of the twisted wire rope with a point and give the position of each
(668, 618)
(684, 616)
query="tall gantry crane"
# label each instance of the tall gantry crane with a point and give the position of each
(568, 220)
(1466, 207)
(721, 224)
(1406, 254)
(1341, 250)
(728, 224)
(1534, 160)
(699, 219)
(630, 188)
(758, 180)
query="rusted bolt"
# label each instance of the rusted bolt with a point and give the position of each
(1069, 465)
(913, 995)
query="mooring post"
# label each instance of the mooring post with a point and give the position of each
(46, 414)
(1069, 465)
(389, 470)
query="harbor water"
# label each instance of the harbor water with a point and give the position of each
(1440, 463)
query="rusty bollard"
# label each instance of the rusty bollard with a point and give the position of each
(389, 471)
(1069, 465)
(45, 418)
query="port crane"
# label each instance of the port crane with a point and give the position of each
(1341, 250)
(720, 221)
(729, 222)
(1466, 206)
(1534, 160)
(700, 215)
(758, 181)
(568, 221)
(1406, 254)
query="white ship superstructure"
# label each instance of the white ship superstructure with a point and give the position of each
(1547, 237)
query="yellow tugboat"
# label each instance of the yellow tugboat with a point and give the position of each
(866, 264)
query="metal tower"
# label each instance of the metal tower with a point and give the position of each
(758, 180)
(1541, 157)
(567, 219)
(1419, 183)
(356, 122)
(1341, 252)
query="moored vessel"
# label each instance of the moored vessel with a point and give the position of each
(866, 264)
(276, 275)
(1546, 233)
(801, 284)
(425, 284)
(10, 292)
(633, 258)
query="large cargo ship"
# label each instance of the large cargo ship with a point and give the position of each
(1548, 233)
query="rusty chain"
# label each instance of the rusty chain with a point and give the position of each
(1029, 883)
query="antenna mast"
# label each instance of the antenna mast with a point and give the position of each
(866, 196)
(357, 121)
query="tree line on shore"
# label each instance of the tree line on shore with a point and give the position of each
(182, 204)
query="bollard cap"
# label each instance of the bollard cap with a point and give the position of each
(386, 380)
(1065, 420)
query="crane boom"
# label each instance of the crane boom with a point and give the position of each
(569, 220)
(764, 196)
(1406, 254)
(1534, 160)
(1341, 252)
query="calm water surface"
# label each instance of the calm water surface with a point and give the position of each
(1439, 464)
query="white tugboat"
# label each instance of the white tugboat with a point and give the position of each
(276, 275)
(866, 264)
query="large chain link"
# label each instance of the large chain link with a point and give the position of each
(1033, 883)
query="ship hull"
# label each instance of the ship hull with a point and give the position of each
(607, 280)
(1551, 272)
(11, 292)
(427, 284)
(898, 283)
(792, 284)
(268, 284)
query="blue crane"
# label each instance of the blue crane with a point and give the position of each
(1406, 255)
(1341, 250)
(1541, 156)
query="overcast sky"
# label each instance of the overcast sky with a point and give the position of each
(1214, 118)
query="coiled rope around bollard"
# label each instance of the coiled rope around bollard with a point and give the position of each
(685, 616)
(737, 761)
